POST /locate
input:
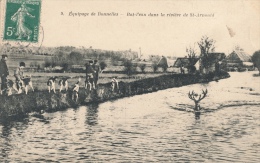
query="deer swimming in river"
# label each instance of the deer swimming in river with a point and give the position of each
(197, 98)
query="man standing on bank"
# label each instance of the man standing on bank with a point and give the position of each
(96, 69)
(89, 75)
(3, 73)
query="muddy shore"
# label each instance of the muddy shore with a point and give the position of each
(43, 101)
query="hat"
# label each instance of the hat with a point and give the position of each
(22, 64)
(4, 55)
(91, 61)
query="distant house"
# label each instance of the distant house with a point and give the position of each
(214, 62)
(187, 63)
(165, 62)
(238, 58)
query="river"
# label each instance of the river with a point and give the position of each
(154, 127)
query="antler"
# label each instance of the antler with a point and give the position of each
(191, 95)
(204, 93)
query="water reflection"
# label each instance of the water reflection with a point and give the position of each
(92, 114)
(11, 127)
(197, 115)
(13, 123)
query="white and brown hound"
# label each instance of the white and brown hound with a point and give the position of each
(10, 87)
(26, 82)
(114, 84)
(64, 83)
(51, 84)
(75, 91)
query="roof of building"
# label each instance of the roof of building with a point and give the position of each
(239, 55)
(217, 56)
(185, 62)
(165, 61)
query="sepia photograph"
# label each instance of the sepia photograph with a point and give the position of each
(130, 81)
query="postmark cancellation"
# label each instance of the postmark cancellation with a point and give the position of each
(22, 20)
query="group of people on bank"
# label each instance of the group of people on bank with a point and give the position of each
(92, 75)
(20, 79)
(24, 82)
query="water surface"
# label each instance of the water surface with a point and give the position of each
(154, 127)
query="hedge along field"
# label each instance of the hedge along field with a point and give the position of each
(43, 101)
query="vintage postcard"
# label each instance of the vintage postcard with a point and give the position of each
(129, 81)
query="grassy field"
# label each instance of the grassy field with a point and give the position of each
(40, 79)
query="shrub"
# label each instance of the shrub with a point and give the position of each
(102, 65)
(47, 62)
(65, 66)
(142, 67)
(256, 59)
(130, 68)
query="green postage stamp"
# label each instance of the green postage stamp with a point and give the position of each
(22, 20)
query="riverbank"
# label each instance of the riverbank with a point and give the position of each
(39, 101)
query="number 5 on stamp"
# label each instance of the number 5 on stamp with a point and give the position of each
(22, 20)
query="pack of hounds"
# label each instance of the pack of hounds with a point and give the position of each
(64, 85)
(26, 82)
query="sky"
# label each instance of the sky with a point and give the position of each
(161, 35)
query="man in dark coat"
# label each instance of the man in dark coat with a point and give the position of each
(3, 73)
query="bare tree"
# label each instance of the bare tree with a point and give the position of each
(191, 52)
(192, 59)
(206, 46)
